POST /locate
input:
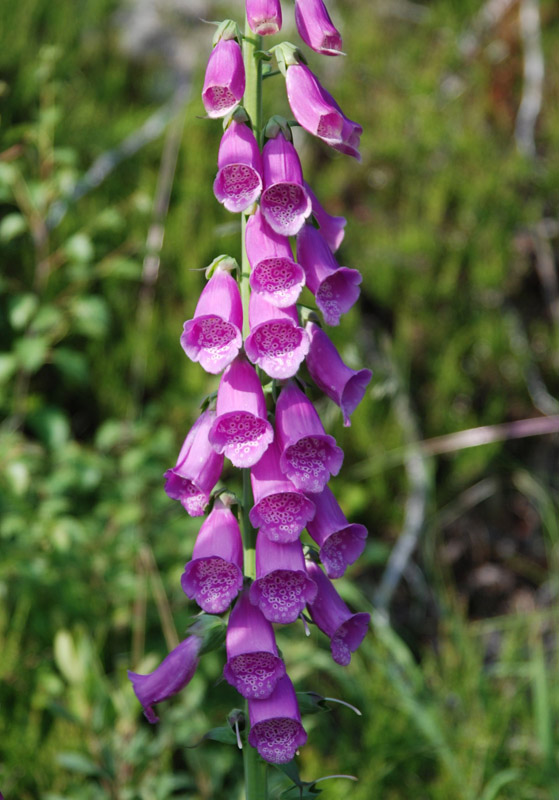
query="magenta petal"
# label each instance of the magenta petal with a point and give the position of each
(331, 228)
(239, 179)
(275, 724)
(172, 675)
(340, 543)
(224, 82)
(316, 28)
(264, 16)
(276, 342)
(282, 588)
(274, 273)
(285, 203)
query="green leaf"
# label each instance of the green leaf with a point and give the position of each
(8, 366)
(91, 316)
(72, 364)
(21, 309)
(51, 425)
(67, 658)
(31, 352)
(11, 226)
(224, 734)
(78, 762)
(79, 248)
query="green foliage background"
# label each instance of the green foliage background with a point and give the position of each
(448, 223)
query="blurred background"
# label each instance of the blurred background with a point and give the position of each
(106, 218)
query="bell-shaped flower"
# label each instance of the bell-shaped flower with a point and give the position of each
(345, 386)
(318, 113)
(197, 469)
(316, 28)
(332, 229)
(277, 344)
(213, 336)
(172, 675)
(241, 430)
(284, 203)
(274, 274)
(335, 288)
(340, 543)
(280, 510)
(214, 576)
(264, 16)
(275, 724)
(333, 617)
(282, 587)
(239, 179)
(224, 82)
(253, 665)
(309, 456)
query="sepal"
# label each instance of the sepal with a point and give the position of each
(228, 29)
(287, 55)
(211, 630)
(225, 263)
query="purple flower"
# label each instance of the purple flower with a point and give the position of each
(282, 587)
(172, 675)
(333, 617)
(335, 288)
(253, 666)
(241, 429)
(279, 510)
(343, 385)
(275, 724)
(308, 455)
(316, 28)
(239, 179)
(224, 83)
(276, 342)
(213, 337)
(340, 543)
(318, 113)
(264, 16)
(274, 273)
(214, 577)
(284, 203)
(331, 228)
(197, 469)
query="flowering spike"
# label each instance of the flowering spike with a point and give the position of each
(331, 228)
(276, 343)
(335, 288)
(345, 386)
(264, 16)
(284, 203)
(316, 28)
(275, 724)
(172, 675)
(197, 469)
(239, 179)
(224, 83)
(340, 543)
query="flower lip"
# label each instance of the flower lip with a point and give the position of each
(275, 724)
(213, 582)
(276, 342)
(340, 542)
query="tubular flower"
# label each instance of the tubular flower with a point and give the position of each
(224, 83)
(239, 179)
(318, 113)
(345, 386)
(276, 343)
(280, 511)
(253, 665)
(264, 16)
(340, 543)
(282, 587)
(172, 675)
(241, 429)
(331, 228)
(284, 203)
(213, 337)
(275, 724)
(333, 617)
(335, 288)
(214, 576)
(316, 28)
(197, 469)
(274, 274)
(309, 456)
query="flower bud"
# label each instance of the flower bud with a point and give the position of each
(264, 16)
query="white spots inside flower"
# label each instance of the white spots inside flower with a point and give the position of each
(219, 98)
(277, 739)
(283, 595)
(214, 335)
(334, 554)
(282, 515)
(256, 674)
(242, 434)
(216, 583)
(340, 649)
(329, 303)
(193, 499)
(284, 205)
(276, 339)
(308, 461)
(326, 130)
(276, 277)
(240, 183)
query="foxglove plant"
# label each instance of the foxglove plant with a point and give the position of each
(249, 328)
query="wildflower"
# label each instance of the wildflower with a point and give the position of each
(343, 385)
(224, 82)
(214, 576)
(316, 28)
(239, 179)
(279, 510)
(340, 543)
(241, 429)
(253, 665)
(282, 587)
(335, 288)
(172, 675)
(197, 469)
(309, 456)
(284, 203)
(331, 228)
(274, 273)
(275, 724)
(264, 16)
(333, 617)
(276, 342)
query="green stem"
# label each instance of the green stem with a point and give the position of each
(256, 778)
